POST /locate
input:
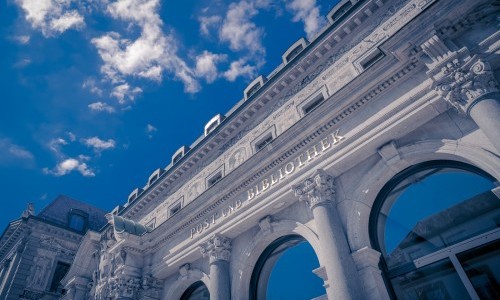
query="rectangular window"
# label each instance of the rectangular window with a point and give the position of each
(214, 179)
(264, 142)
(372, 59)
(175, 209)
(59, 273)
(313, 104)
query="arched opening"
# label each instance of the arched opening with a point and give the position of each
(437, 227)
(197, 291)
(284, 271)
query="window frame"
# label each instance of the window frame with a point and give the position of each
(426, 259)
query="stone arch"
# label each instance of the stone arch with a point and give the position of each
(250, 255)
(177, 289)
(364, 195)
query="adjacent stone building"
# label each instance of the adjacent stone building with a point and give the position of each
(375, 143)
(37, 250)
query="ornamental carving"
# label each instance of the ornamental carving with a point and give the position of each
(39, 273)
(318, 189)
(217, 248)
(124, 287)
(150, 287)
(462, 83)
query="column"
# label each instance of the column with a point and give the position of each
(341, 278)
(218, 249)
(467, 83)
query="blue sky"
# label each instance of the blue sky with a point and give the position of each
(97, 94)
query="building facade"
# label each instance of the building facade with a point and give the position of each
(377, 143)
(37, 250)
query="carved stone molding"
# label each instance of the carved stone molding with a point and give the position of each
(458, 77)
(217, 248)
(125, 287)
(464, 83)
(318, 189)
(151, 287)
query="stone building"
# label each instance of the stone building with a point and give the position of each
(37, 250)
(376, 143)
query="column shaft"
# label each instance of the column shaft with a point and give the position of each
(335, 254)
(220, 285)
(486, 114)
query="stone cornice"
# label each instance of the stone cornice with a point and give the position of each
(331, 40)
(261, 171)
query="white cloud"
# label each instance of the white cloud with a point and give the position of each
(72, 136)
(150, 129)
(148, 56)
(91, 85)
(68, 165)
(206, 65)
(11, 153)
(22, 63)
(22, 39)
(240, 68)
(238, 29)
(98, 144)
(52, 17)
(123, 92)
(55, 145)
(307, 11)
(207, 23)
(101, 107)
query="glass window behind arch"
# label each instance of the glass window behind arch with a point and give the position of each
(433, 209)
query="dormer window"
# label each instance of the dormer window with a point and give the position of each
(177, 158)
(154, 176)
(179, 154)
(294, 50)
(135, 193)
(254, 87)
(77, 220)
(263, 142)
(339, 10)
(213, 123)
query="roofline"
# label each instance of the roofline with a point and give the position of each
(307, 50)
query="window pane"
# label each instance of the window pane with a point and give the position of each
(77, 222)
(436, 281)
(433, 209)
(287, 273)
(482, 266)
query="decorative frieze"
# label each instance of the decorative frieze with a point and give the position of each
(217, 248)
(318, 189)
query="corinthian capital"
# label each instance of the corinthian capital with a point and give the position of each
(464, 83)
(317, 189)
(217, 248)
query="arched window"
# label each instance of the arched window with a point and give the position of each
(284, 271)
(197, 291)
(437, 227)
